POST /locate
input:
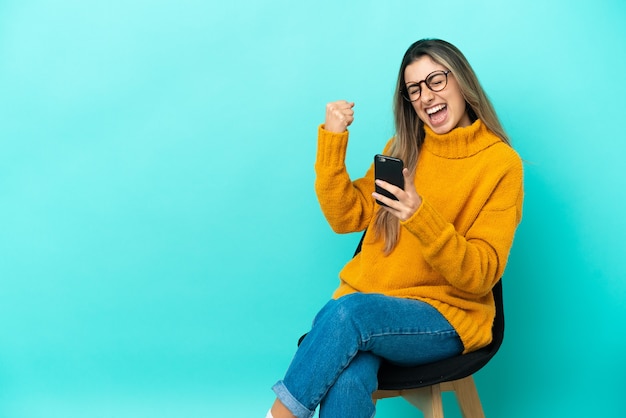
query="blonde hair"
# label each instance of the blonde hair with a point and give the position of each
(409, 136)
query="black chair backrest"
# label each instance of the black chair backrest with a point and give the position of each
(358, 247)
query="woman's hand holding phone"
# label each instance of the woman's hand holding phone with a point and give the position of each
(408, 200)
(339, 115)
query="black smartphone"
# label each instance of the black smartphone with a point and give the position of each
(388, 169)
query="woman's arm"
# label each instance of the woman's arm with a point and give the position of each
(475, 260)
(348, 206)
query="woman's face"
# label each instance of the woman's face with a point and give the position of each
(442, 110)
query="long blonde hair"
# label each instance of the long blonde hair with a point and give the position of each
(409, 136)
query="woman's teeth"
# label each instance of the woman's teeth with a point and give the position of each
(435, 109)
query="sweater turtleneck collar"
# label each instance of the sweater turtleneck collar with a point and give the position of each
(460, 142)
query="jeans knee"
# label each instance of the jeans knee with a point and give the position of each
(340, 309)
(355, 305)
(348, 319)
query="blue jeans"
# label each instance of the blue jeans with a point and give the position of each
(337, 363)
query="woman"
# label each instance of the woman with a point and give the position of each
(420, 289)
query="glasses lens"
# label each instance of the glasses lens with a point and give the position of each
(412, 92)
(437, 81)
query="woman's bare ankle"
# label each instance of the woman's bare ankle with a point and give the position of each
(280, 411)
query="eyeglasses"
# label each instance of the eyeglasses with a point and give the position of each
(435, 81)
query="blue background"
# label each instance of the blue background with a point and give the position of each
(161, 246)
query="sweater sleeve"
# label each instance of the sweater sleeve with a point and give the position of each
(474, 261)
(348, 206)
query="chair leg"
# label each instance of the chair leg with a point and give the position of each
(427, 399)
(467, 397)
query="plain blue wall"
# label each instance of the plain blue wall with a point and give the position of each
(161, 245)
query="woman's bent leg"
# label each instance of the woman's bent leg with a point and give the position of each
(404, 331)
(351, 395)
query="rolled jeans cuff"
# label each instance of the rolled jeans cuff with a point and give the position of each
(292, 404)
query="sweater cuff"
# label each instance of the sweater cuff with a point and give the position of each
(331, 147)
(426, 224)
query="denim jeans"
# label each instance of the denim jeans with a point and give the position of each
(337, 363)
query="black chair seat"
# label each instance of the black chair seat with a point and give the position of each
(392, 377)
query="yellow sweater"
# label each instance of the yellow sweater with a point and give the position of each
(455, 247)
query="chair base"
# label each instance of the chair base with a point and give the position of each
(428, 399)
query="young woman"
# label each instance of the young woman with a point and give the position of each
(420, 289)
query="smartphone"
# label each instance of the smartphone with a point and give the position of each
(388, 169)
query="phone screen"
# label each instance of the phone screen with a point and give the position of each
(388, 169)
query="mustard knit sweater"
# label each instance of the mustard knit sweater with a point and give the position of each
(455, 247)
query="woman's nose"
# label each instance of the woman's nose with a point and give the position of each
(427, 95)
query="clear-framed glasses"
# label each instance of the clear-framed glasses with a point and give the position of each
(435, 81)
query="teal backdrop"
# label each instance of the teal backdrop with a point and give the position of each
(161, 246)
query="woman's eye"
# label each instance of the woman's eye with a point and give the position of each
(437, 80)
(413, 90)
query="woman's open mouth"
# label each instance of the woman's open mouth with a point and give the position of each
(437, 114)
